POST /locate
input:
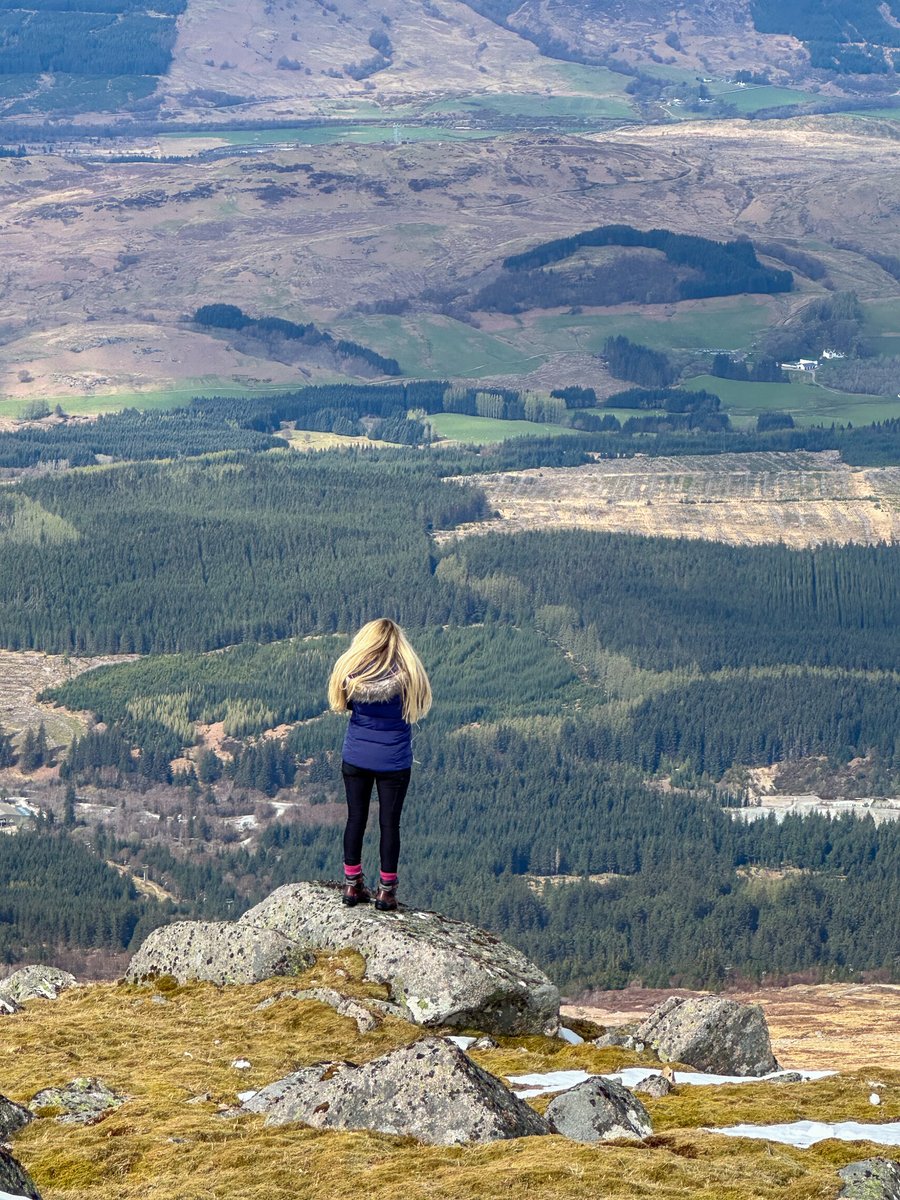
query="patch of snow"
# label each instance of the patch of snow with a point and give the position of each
(570, 1036)
(463, 1042)
(241, 1064)
(248, 821)
(242, 1096)
(10, 1196)
(560, 1081)
(803, 1134)
(551, 1081)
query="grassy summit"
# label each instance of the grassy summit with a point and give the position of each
(169, 1045)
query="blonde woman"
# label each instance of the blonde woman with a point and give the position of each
(381, 682)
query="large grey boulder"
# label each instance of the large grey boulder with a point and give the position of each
(36, 982)
(871, 1179)
(216, 952)
(599, 1110)
(15, 1180)
(84, 1101)
(430, 1090)
(439, 971)
(710, 1033)
(12, 1118)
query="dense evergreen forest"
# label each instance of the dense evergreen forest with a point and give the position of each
(524, 769)
(89, 38)
(56, 894)
(571, 670)
(844, 35)
(275, 332)
(718, 268)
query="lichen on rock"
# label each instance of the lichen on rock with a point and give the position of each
(439, 971)
(430, 1090)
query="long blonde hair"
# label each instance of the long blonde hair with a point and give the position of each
(379, 650)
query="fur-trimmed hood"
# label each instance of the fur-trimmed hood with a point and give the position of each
(380, 690)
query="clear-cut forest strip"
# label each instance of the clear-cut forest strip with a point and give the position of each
(798, 499)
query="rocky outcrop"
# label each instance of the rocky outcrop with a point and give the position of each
(871, 1179)
(710, 1033)
(12, 1118)
(36, 982)
(15, 1180)
(439, 971)
(8, 1006)
(599, 1110)
(342, 1005)
(81, 1102)
(430, 1090)
(216, 952)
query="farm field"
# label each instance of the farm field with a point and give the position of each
(799, 499)
(437, 347)
(482, 431)
(535, 106)
(883, 325)
(807, 402)
(729, 323)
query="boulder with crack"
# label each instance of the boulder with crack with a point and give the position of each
(599, 1110)
(216, 952)
(439, 971)
(430, 1090)
(710, 1033)
(81, 1102)
(36, 982)
(871, 1179)
(15, 1180)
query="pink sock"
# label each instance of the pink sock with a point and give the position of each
(388, 877)
(350, 872)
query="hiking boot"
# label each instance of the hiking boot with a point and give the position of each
(355, 891)
(386, 897)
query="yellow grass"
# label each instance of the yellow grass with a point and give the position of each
(159, 1147)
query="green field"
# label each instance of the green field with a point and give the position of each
(483, 430)
(722, 324)
(753, 97)
(883, 325)
(319, 135)
(177, 397)
(434, 347)
(808, 403)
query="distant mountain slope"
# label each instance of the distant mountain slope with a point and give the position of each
(304, 51)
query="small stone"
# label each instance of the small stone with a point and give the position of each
(484, 1043)
(654, 1086)
(36, 982)
(83, 1101)
(203, 1098)
(599, 1110)
(874, 1098)
(241, 1064)
(788, 1077)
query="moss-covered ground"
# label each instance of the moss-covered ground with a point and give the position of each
(164, 1046)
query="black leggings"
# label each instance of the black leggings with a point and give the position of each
(392, 786)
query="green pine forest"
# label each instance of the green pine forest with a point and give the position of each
(599, 697)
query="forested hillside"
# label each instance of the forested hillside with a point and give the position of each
(574, 673)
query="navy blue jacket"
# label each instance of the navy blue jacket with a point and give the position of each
(377, 737)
